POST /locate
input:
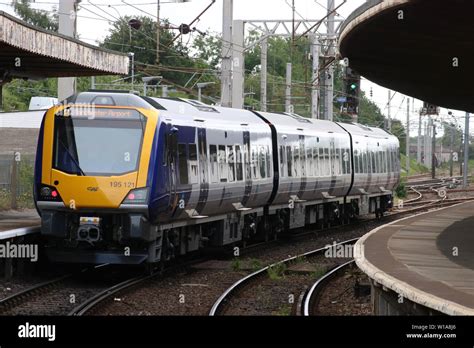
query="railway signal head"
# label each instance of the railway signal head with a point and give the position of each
(352, 91)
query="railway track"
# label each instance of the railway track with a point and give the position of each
(53, 297)
(226, 298)
(60, 295)
(310, 298)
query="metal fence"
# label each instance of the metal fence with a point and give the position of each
(16, 181)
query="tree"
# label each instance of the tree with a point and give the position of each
(176, 66)
(448, 129)
(38, 18)
(208, 49)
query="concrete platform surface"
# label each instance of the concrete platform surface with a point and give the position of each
(428, 258)
(12, 219)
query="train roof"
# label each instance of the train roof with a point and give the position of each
(362, 130)
(290, 122)
(195, 110)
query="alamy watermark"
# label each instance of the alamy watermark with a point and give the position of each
(343, 251)
(19, 251)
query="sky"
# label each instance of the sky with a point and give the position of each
(93, 25)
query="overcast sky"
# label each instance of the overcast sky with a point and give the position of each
(93, 27)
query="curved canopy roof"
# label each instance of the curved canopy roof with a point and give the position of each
(422, 48)
(30, 52)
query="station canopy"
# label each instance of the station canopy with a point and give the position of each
(422, 48)
(30, 52)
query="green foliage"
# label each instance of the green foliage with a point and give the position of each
(38, 18)
(208, 49)
(177, 65)
(276, 272)
(17, 94)
(284, 311)
(255, 264)
(401, 190)
(25, 185)
(236, 264)
(450, 129)
(415, 167)
(318, 273)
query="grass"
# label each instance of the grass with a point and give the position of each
(318, 273)
(277, 271)
(236, 264)
(299, 259)
(25, 182)
(24, 201)
(415, 167)
(255, 265)
(284, 311)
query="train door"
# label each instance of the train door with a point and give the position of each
(203, 171)
(303, 156)
(332, 156)
(248, 168)
(302, 169)
(172, 161)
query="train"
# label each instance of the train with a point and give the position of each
(127, 179)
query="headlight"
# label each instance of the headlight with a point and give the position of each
(137, 196)
(48, 193)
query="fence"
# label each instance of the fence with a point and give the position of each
(16, 181)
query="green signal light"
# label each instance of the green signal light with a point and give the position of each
(353, 86)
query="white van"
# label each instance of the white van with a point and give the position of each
(42, 103)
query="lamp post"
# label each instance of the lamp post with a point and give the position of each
(202, 85)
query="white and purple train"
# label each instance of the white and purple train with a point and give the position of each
(135, 179)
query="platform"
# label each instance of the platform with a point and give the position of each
(18, 223)
(426, 260)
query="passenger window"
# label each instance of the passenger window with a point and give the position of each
(372, 156)
(316, 165)
(338, 162)
(289, 156)
(346, 158)
(255, 170)
(282, 162)
(238, 159)
(327, 163)
(268, 161)
(222, 163)
(247, 162)
(357, 161)
(183, 164)
(231, 161)
(303, 160)
(309, 161)
(261, 162)
(296, 164)
(382, 162)
(193, 164)
(392, 156)
(213, 159)
(365, 169)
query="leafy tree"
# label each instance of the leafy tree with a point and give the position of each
(38, 18)
(208, 49)
(175, 61)
(448, 128)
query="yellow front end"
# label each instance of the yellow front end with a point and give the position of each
(92, 194)
(79, 191)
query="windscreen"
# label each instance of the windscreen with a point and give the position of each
(100, 142)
